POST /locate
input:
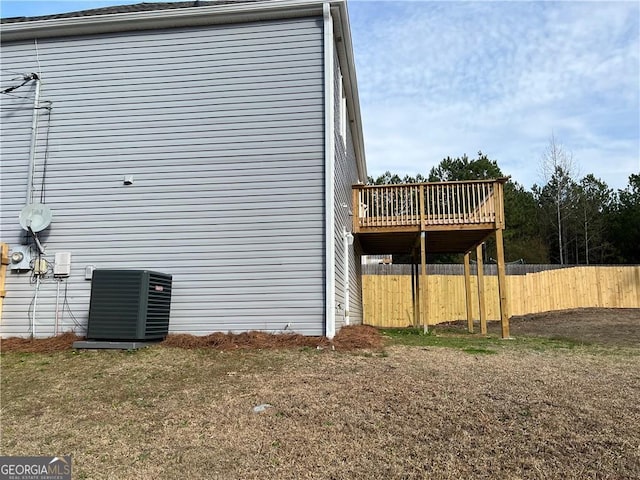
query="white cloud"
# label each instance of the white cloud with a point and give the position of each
(439, 79)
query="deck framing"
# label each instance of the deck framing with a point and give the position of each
(436, 217)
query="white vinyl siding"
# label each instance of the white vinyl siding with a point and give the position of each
(221, 128)
(345, 176)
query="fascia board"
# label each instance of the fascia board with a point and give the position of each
(158, 19)
(342, 31)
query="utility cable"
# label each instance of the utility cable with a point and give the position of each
(26, 79)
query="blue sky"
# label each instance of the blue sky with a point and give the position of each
(449, 78)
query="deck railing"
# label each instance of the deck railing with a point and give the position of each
(428, 204)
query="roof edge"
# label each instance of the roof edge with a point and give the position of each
(157, 19)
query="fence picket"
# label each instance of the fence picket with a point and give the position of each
(387, 298)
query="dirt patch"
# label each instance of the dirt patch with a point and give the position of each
(607, 326)
(353, 337)
(602, 326)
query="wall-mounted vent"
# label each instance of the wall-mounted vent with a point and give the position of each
(129, 305)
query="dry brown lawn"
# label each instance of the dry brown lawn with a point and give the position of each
(570, 412)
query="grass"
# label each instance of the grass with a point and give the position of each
(446, 405)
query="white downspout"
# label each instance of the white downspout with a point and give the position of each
(347, 239)
(329, 153)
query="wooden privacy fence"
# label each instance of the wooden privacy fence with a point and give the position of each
(387, 298)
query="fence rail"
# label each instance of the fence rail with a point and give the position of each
(382, 268)
(428, 204)
(388, 303)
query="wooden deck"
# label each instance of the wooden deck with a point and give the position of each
(456, 215)
(441, 217)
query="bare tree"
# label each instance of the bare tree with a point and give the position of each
(558, 169)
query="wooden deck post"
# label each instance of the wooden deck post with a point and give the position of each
(467, 290)
(414, 273)
(502, 285)
(423, 282)
(417, 309)
(421, 206)
(481, 302)
(355, 209)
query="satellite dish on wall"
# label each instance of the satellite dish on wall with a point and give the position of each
(35, 217)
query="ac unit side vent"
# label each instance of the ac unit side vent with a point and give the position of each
(129, 305)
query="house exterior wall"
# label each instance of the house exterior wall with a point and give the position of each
(222, 129)
(346, 174)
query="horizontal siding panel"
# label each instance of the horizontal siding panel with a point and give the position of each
(278, 80)
(151, 170)
(192, 112)
(184, 151)
(229, 69)
(228, 197)
(12, 230)
(194, 130)
(195, 231)
(203, 84)
(173, 96)
(265, 57)
(222, 129)
(200, 105)
(111, 145)
(145, 163)
(216, 121)
(184, 37)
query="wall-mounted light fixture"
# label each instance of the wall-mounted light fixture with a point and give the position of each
(349, 238)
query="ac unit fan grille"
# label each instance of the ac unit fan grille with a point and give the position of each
(158, 304)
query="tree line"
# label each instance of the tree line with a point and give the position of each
(564, 220)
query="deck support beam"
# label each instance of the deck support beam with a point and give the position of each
(423, 282)
(459, 216)
(414, 289)
(502, 285)
(481, 299)
(467, 291)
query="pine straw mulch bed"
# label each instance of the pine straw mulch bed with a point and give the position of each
(353, 337)
(39, 345)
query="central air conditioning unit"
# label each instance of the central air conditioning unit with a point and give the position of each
(129, 305)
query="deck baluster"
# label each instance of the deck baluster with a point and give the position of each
(428, 204)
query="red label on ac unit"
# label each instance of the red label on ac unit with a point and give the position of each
(159, 288)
